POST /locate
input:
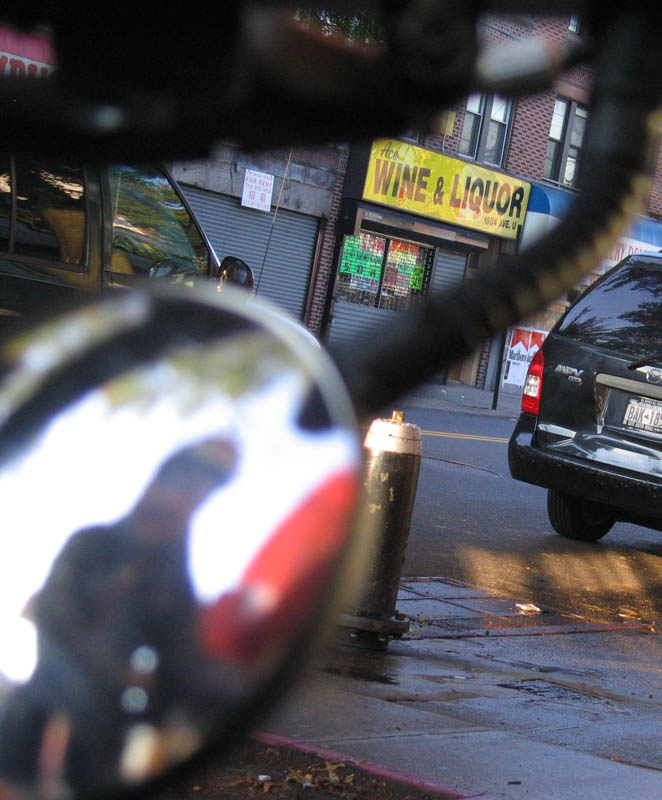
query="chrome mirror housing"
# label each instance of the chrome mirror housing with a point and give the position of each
(180, 471)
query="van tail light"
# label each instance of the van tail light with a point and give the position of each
(533, 385)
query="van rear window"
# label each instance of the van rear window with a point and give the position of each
(50, 211)
(621, 312)
(43, 213)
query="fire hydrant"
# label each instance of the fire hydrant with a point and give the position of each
(392, 457)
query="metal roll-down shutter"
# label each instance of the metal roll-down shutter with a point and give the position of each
(280, 253)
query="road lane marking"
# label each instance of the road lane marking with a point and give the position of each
(474, 437)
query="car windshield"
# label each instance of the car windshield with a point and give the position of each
(621, 312)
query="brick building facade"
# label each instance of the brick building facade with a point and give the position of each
(536, 138)
(289, 247)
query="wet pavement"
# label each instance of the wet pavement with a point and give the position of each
(481, 698)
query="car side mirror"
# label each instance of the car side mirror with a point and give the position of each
(181, 472)
(235, 272)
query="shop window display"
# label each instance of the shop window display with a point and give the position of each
(383, 273)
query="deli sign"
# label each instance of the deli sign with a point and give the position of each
(448, 189)
(25, 55)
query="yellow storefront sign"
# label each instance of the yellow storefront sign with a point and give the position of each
(423, 182)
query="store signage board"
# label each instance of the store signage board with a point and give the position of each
(257, 191)
(24, 54)
(420, 181)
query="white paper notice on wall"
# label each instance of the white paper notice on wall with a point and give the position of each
(258, 188)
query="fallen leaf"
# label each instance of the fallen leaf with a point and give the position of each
(527, 608)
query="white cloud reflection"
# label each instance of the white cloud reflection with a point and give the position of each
(96, 458)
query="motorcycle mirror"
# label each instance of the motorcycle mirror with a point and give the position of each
(180, 470)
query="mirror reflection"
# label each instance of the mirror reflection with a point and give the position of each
(180, 473)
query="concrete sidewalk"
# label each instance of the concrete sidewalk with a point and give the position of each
(484, 699)
(467, 399)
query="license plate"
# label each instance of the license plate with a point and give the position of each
(644, 415)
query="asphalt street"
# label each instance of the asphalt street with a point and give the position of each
(473, 523)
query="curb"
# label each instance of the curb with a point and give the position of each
(379, 770)
(451, 407)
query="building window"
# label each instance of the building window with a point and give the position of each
(566, 136)
(485, 128)
(412, 135)
(471, 129)
(383, 273)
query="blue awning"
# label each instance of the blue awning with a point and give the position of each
(646, 230)
(547, 200)
(556, 203)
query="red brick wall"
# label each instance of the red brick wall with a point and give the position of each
(324, 275)
(531, 114)
(529, 133)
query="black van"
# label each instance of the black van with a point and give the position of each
(590, 430)
(69, 229)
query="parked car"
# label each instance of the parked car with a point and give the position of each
(70, 229)
(590, 430)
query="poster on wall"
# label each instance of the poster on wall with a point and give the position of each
(362, 259)
(407, 260)
(257, 191)
(523, 344)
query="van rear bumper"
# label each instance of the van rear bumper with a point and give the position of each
(636, 494)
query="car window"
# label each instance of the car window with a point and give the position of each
(152, 230)
(49, 219)
(622, 312)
